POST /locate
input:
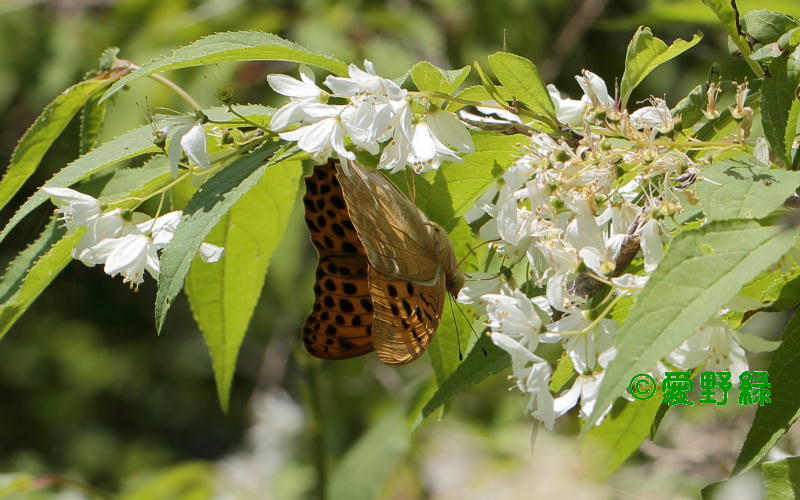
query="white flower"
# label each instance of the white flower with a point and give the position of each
(595, 90)
(598, 248)
(583, 347)
(111, 224)
(532, 376)
(516, 315)
(129, 256)
(75, 208)
(657, 117)
(717, 347)
(302, 93)
(568, 111)
(651, 243)
(450, 131)
(185, 133)
(478, 285)
(586, 389)
(364, 82)
(321, 138)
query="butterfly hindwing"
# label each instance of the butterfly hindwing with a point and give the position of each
(406, 316)
(340, 324)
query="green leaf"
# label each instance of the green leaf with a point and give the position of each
(777, 100)
(206, 208)
(455, 329)
(521, 79)
(137, 142)
(734, 190)
(729, 16)
(781, 479)
(187, 481)
(608, 445)
(92, 117)
(223, 295)
(767, 26)
(772, 421)
(38, 277)
(690, 108)
(702, 270)
(645, 53)
(45, 130)
(475, 368)
(15, 272)
(365, 467)
(230, 47)
(564, 372)
(428, 77)
(477, 93)
(36, 267)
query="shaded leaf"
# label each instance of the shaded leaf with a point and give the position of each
(734, 190)
(773, 420)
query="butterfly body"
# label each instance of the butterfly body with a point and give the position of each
(384, 268)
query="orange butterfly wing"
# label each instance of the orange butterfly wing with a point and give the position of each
(340, 324)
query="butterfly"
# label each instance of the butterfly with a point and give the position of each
(383, 271)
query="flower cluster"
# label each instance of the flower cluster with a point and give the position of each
(582, 207)
(375, 114)
(125, 242)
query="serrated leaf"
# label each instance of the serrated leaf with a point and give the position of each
(645, 53)
(92, 116)
(734, 190)
(521, 79)
(15, 272)
(38, 277)
(607, 446)
(781, 479)
(137, 142)
(223, 295)
(45, 130)
(472, 370)
(772, 421)
(209, 204)
(702, 270)
(777, 99)
(231, 47)
(366, 465)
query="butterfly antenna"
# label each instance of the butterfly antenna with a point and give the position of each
(471, 250)
(469, 322)
(458, 335)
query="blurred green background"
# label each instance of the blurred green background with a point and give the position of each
(87, 390)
